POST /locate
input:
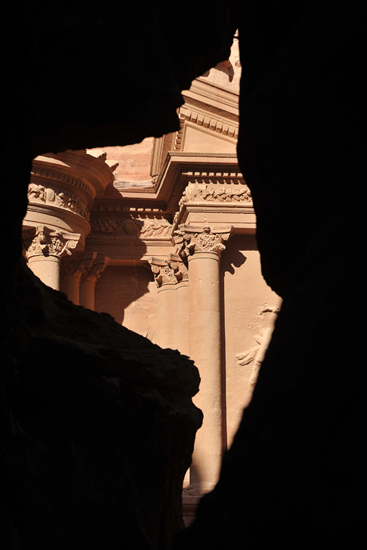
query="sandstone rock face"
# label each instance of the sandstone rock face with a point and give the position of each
(99, 428)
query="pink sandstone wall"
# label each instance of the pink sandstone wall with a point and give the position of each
(130, 295)
(249, 310)
(246, 323)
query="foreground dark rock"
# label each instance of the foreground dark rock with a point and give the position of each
(295, 474)
(96, 423)
(98, 428)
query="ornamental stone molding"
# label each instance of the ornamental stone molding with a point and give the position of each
(218, 190)
(202, 239)
(92, 271)
(62, 190)
(77, 266)
(203, 119)
(46, 242)
(56, 197)
(209, 192)
(169, 271)
(133, 227)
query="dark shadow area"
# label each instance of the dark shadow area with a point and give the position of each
(112, 411)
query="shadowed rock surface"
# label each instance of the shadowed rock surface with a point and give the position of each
(97, 423)
(294, 476)
(100, 428)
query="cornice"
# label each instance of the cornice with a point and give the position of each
(214, 95)
(218, 125)
(211, 180)
(87, 175)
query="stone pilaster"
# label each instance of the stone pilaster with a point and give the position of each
(44, 251)
(91, 273)
(203, 247)
(164, 272)
(71, 273)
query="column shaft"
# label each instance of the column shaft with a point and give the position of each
(86, 293)
(46, 268)
(205, 350)
(183, 317)
(167, 330)
(70, 286)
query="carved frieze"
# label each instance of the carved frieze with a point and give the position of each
(46, 242)
(203, 239)
(56, 197)
(40, 171)
(133, 227)
(221, 191)
(198, 192)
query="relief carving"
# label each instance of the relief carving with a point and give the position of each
(50, 243)
(134, 227)
(169, 271)
(60, 199)
(93, 268)
(77, 266)
(198, 192)
(255, 355)
(205, 239)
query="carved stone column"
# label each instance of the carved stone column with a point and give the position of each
(182, 304)
(44, 250)
(165, 277)
(204, 246)
(89, 278)
(71, 273)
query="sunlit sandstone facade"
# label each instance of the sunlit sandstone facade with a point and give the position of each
(161, 235)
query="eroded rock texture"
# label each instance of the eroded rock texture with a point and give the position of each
(98, 428)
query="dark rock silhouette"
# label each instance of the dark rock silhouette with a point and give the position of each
(100, 428)
(294, 476)
(97, 423)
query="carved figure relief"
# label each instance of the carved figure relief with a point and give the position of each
(197, 192)
(60, 199)
(255, 355)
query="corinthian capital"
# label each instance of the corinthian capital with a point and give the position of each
(42, 241)
(92, 268)
(164, 273)
(203, 239)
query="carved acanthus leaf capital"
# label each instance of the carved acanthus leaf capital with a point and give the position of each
(46, 242)
(76, 267)
(169, 270)
(202, 239)
(92, 270)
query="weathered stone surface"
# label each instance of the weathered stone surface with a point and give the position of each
(98, 428)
